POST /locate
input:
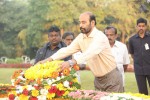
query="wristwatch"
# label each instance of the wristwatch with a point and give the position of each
(71, 63)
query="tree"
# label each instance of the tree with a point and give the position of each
(12, 20)
(123, 15)
(45, 13)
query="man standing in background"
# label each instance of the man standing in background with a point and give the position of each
(119, 50)
(68, 37)
(139, 48)
(55, 43)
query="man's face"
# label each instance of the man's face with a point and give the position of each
(111, 36)
(54, 38)
(68, 39)
(85, 24)
(141, 28)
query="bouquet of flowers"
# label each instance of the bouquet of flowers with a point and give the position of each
(44, 81)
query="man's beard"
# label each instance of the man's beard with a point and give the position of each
(54, 43)
(141, 31)
(85, 31)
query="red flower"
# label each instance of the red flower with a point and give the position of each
(60, 74)
(53, 89)
(33, 98)
(70, 83)
(60, 93)
(11, 97)
(37, 87)
(25, 92)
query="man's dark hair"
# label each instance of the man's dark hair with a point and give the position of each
(142, 20)
(67, 34)
(92, 17)
(54, 28)
(111, 27)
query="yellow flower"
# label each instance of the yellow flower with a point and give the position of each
(47, 87)
(66, 93)
(13, 92)
(75, 80)
(60, 86)
(50, 95)
(42, 70)
(138, 95)
(141, 95)
(35, 93)
(23, 97)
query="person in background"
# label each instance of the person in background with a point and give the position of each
(68, 37)
(55, 43)
(96, 51)
(139, 48)
(119, 50)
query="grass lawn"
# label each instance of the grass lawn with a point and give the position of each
(87, 79)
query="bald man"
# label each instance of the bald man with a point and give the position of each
(96, 52)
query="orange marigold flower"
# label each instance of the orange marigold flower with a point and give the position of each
(55, 74)
(76, 67)
(38, 81)
(16, 74)
(17, 81)
(66, 71)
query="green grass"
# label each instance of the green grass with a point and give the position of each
(5, 74)
(87, 79)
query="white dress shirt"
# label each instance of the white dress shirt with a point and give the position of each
(121, 55)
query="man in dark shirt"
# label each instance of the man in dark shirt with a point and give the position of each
(139, 48)
(52, 46)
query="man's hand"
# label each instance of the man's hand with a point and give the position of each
(67, 64)
(64, 65)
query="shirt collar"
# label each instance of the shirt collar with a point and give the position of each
(58, 46)
(146, 34)
(116, 44)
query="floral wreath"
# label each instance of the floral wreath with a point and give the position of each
(44, 81)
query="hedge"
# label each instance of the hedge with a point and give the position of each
(25, 65)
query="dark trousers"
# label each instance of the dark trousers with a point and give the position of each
(142, 83)
(111, 82)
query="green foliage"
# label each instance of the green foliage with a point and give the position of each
(78, 86)
(37, 10)
(14, 61)
(12, 20)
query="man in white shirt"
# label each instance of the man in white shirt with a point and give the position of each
(119, 50)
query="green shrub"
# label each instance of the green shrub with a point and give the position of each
(14, 61)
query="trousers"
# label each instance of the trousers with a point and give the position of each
(111, 82)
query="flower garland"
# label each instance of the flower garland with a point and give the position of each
(87, 95)
(125, 96)
(44, 81)
(98, 95)
(5, 89)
